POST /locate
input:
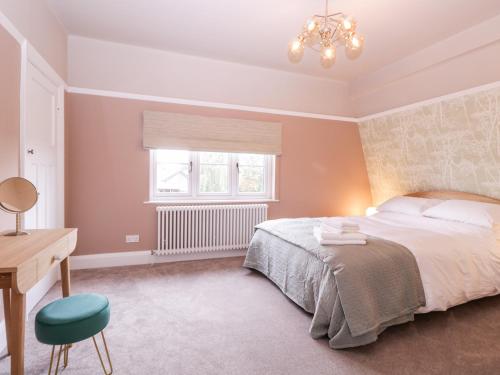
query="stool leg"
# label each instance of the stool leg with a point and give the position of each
(58, 359)
(66, 354)
(52, 358)
(107, 355)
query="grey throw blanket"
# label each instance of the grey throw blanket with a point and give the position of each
(377, 283)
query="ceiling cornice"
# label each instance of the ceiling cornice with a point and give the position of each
(202, 103)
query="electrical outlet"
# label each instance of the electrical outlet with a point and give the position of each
(131, 238)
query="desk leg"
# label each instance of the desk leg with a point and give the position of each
(18, 323)
(6, 314)
(66, 286)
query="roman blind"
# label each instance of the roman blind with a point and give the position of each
(202, 133)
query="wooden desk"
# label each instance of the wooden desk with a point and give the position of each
(25, 260)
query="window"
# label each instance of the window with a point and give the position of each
(185, 175)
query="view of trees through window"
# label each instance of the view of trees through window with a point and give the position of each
(251, 173)
(179, 172)
(214, 172)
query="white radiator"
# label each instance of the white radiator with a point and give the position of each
(187, 229)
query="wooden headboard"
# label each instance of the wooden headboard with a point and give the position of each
(443, 194)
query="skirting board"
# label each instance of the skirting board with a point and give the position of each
(33, 296)
(132, 258)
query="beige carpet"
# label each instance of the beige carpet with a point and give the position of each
(214, 317)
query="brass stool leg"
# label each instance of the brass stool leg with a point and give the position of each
(62, 349)
(107, 355)
(66, 354)
(58, 360)
(52, 358)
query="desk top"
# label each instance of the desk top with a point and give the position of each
(16, 250)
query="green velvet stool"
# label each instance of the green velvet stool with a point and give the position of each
(72, 319)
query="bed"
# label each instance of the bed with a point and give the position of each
(415, 264)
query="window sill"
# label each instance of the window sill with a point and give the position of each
(209, 201)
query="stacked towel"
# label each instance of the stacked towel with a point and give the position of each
(336, 232)
(339, 227)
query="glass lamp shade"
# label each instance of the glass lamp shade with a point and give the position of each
(349, 24)
(354, 46)
(328, 55)
(312, 39)
(311, 32)
(295, 50)
(311, 26)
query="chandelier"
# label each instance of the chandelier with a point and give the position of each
(324, 34)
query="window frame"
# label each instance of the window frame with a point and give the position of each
(194, 194)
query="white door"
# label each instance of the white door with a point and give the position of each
(40, 147)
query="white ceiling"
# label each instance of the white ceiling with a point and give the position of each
(257, 32)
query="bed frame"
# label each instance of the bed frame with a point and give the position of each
(444, 194)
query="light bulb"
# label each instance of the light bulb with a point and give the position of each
(311, 25)
(328, 56)
(329, 53)
(349, 24)
(295, 50)
(356, 41)
(295, 45)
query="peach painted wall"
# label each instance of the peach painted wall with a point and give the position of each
(321, 171)
(10, 70)
(43, 30)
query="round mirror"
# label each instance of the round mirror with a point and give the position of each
(17, 195)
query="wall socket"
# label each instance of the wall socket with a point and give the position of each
(131, 238)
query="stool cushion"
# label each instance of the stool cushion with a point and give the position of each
(72, 319)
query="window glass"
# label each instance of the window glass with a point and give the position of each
(179, 174)
(251, 159)
(172, 171)
(251, 173)
(214, 172)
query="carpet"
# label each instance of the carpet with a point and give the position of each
(215, 317)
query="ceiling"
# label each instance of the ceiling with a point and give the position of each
(257, 32)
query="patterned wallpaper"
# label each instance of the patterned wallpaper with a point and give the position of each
(453, 144)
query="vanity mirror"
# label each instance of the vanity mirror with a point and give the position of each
(17, 195)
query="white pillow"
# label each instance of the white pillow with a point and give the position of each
(470, 212)
(408, 205)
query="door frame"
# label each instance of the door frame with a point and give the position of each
(29, 56)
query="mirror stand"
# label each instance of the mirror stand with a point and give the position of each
(18, 231)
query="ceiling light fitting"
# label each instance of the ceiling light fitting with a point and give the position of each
(324, 34)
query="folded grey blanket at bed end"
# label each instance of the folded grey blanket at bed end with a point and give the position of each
(378, 284)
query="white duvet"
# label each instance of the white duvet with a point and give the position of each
(457, 262)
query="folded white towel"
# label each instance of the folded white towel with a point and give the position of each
(323, 241)
(325, 228)
(341, 235)
(338, 226)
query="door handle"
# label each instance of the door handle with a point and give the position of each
(31, 151)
